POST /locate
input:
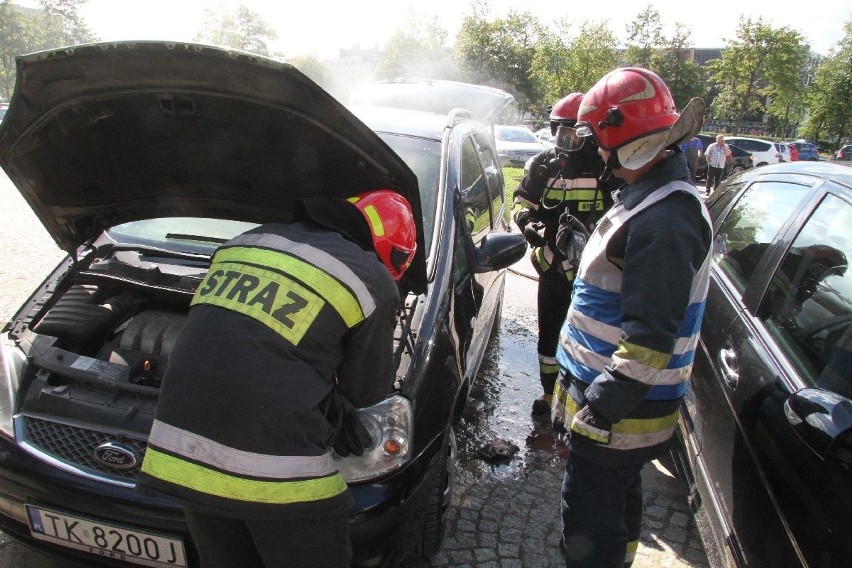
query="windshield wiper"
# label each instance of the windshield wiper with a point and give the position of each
(200, 238)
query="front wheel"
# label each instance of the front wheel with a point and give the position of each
(442, 478)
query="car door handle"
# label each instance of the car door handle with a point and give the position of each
(729, 367)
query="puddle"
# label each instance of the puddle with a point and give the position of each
(500, 401)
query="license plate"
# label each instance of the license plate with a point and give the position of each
(106, 540)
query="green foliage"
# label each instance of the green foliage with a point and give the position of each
(674, 63)
(239, 29)
(644, 36)
(830, 97)
(27, 30)
(568, 61)
(762, 62)
(417, 49)
(500, 53)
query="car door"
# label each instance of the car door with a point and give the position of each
(798, 421)
(477, 296)
(731, 367)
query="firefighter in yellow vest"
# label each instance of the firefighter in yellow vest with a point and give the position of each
(291, 328)
(558, 185)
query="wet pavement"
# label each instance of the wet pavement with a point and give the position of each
(503, 515)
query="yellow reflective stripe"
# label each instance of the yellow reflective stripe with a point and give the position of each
(339, 296)
(572, 194)
(179, 442)
(644, 355)
(630, 553)
(626, 433)
(204, 480)
(281, 304)
(541, 259)
(375, 220)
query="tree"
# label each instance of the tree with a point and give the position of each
(239, 29)
(63, 24)
(318, 72)
(675, 64)
(644, 36)
(500, 53)
(417, 49)
(761, 62)
(831, 95)
(575, 63)
(17, 36)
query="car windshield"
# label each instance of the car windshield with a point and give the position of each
(202, 235)
(423, 156)
(515, 135)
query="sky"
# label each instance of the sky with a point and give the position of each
(323, 28)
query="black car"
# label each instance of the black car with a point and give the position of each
(139, 159)
(765, 438)
(740, 161)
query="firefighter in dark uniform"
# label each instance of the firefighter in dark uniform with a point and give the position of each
(558, 185)
(290, 330)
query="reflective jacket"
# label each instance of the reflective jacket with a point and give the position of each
(282, 311)
(628, 342)
(545, 193)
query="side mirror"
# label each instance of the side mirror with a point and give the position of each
(823, 420)
(500, 250)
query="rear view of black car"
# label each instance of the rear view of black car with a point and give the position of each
(139, 159)
(766, 428)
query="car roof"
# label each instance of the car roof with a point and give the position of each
(823, 170)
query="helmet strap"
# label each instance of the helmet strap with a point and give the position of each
(611, 164)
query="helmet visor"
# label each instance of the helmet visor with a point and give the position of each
(571, 138)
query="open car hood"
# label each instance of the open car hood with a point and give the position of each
(102, 134)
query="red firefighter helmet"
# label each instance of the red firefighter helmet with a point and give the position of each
(391, 223)
(631, 112)
(564, 112)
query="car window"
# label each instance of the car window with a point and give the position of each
(515, 135)
(752, 225)
(808, 305)
(474, 191)
(493, 174)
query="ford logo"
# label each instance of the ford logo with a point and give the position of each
(116, 456)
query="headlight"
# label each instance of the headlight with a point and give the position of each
(390, 425)
(8, 386)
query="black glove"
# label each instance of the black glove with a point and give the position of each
(532, 235)
(522, 218)
(571, 237)
(592, 425)
(350, 435)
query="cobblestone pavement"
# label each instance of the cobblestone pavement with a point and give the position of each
(504, 515)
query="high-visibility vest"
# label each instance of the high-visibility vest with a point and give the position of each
(591, 338)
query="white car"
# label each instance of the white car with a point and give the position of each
(516, 145)
(545, 137)
(763, 151)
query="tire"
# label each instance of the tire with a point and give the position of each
(442, 480)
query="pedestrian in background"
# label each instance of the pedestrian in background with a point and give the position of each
(558, 185)
(693, 149)
(628, 343)
(290, 330)
(717, 155)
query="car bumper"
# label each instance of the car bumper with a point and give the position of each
(378, 524)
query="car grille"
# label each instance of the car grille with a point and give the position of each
(74, 446)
